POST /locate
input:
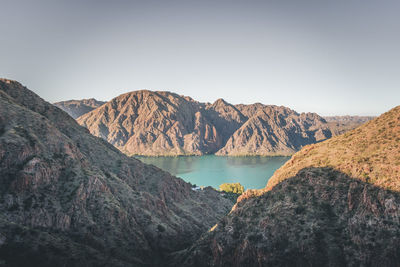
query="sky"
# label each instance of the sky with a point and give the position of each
(331, 57)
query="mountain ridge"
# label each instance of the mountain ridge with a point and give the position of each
(160, 123)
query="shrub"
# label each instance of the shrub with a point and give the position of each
(235, 188)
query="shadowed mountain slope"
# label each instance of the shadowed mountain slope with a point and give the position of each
(320, 217)
(335, 203)
(68, 198)
(76, 108)
(164, 123)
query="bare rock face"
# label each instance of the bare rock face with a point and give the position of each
(68, 198)
(273, 130)
(76, 108)
(154, 123)
(163, 123)
(335, 203)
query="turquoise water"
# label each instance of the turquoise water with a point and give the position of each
(210, 170)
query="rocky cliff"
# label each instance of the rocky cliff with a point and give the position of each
(336, 203)
(68, 198)
(164, 123)
(76, 108)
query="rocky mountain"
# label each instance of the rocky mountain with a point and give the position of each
(273, 130)
(76, 108)
(68, 198)
(335, 203)
(164, 123)
(342, 124)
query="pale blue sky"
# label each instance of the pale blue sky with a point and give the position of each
(330, 57)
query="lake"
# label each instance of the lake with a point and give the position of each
(251, 172)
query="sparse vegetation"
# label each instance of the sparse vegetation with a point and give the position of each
(368, 153)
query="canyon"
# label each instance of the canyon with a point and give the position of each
(69, 198)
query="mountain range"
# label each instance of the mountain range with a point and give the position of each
(166, 124)
(163, 124)
(68, 198)
(342, 124)
(335, 203)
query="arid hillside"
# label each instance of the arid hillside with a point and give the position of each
(370, 153)
(68, 198)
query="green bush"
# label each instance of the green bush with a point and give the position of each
(235, 188)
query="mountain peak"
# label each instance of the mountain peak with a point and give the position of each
(220, 101)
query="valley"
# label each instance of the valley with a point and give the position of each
(69, 197)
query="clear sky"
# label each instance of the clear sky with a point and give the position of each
(332, 57)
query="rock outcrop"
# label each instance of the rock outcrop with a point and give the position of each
(335, 203)
(163, 123)
(76, 108)
(68, 198)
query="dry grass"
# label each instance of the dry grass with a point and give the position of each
(370, 153)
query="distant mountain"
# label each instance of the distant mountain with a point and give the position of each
(335, 203)
(342, 124)
(68, 198)
(164, 123)
(76, 108)
(273, 130)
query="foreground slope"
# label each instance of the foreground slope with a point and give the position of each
(370, 153)
(76, 108)
(335, 203)
(163, 123)
(69, 198)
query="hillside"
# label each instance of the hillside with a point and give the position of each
(68, 198)
(335, 203)
(76, 108)
(370, 153)
(163, 123)
(272, 130)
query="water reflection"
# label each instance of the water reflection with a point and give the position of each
(210, 170)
